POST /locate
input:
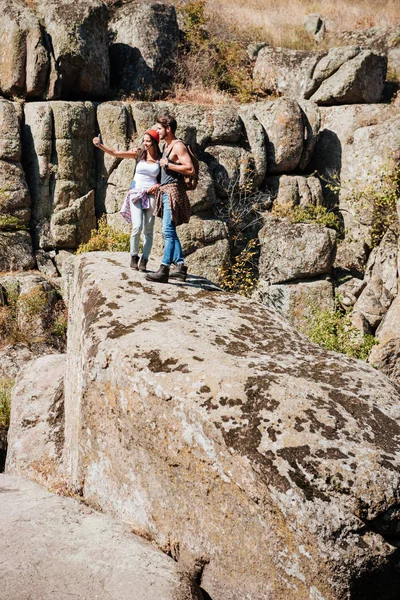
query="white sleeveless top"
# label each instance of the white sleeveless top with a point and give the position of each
(145, 175)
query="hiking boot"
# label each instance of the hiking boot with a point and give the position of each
(134, 262)
(161, 275)
(179, 272)
(143, 265)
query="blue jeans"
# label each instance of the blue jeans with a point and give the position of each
(172, 246)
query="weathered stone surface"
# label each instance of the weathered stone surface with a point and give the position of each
(230, 166)
(382, 285)
(39, 553)
(16, 251)
(294, 250)
(79, 42)
(116, 128)
(349, 291)
(358, 80)
(257, 141)
(24, 60)
(284, 125)
(285, 71)
(14, 358)
(312, 124)
(45, 264)
(118, 185)
(295, 189)
(60, 165)
(249, 447)
(144, 46)
(36, 433)
(357, 144)
(71, 226)
(197, 125)
(209, 261)
(296, 301)
(15, 200)
(203, 197)
(386, 354)
(383, 40)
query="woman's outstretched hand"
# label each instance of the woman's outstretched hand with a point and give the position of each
(96, 141)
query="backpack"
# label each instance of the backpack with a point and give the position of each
(189, 181)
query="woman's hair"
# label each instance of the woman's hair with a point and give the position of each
(142, 154)
(168, 121)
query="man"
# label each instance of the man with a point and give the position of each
(172, 203)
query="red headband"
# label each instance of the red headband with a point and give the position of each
(154, 134)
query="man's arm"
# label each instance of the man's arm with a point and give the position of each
(180, 154)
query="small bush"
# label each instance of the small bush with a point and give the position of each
(60, 323)
(6, 386)
(308, 214)
(106, 238)
(332, 329)
(241, 276)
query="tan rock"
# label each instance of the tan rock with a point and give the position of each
(214, 426)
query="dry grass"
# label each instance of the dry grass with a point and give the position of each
(279, 19)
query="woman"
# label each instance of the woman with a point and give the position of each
(138, 206)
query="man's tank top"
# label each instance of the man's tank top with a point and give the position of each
(145, 175)
(168, 176)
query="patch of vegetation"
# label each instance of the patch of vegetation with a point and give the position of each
(241, 277)
(11, 223)
(308, 214)
(332, 329)
(6, 386)
(212, 56)
(106, 238)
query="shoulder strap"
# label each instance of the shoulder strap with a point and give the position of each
(173, 144)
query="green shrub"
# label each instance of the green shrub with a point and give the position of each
(6, 386)
(106, 238)
(332, 329)
(308, 214)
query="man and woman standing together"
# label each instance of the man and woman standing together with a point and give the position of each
(157, 190)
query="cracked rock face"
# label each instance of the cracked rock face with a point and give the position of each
(206, 421)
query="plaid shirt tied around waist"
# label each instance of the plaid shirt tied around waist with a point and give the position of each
(178, 201)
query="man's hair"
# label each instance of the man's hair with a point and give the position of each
(168, 121)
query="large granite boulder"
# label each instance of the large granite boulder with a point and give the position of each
(198, 125)
(15, 200)
(215, 428)
(292, 251)
(79, 44)
(297, 300)
(385, 356)
(56, 547)
(344, 75)
(382, 283)
(382, 39)
(36, 432)
(24, 58)
(357, 145)
(145, 39)
(60, 169)
(293, 190)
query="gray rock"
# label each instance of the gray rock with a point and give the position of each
(79, 42)
(359, 80)
(36, 433)
(44, 534)
(297, 300)
(45, 264)
(230, 167)
(14, 358)
(295, 250)
(314, 24)
(257, 141)
(381, 39)
(25, 63)
(382, 285)
(293, 190)
(312, 124)
(144, 47)
(385, 356)
(16, 251)
(250, 447)
(348, 291)
(203, 197)
(71, 226)
(284, 126)
(210, 261)
(116, 128)
(284, 71)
